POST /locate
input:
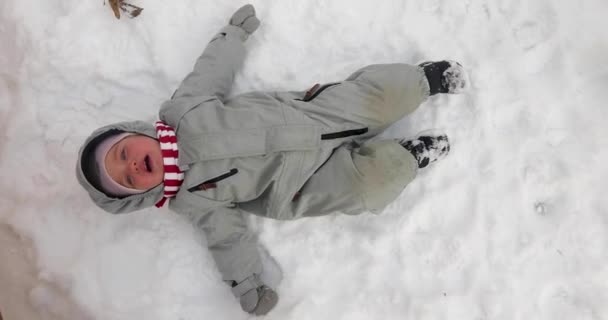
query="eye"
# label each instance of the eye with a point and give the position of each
(130, 181)
(123, 154)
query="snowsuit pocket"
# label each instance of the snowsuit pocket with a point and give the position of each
(316, 90)
(212, 183)
(210, 188)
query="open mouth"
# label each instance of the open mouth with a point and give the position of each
(147, 163)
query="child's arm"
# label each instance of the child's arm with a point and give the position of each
(233, 246)
(214, 70)
(236, 254)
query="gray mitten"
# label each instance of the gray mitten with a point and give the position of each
(245, 18)
(255, 297)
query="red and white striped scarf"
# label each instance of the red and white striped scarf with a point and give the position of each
(173, 177)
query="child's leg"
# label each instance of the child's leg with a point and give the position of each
(374, 97)
(357, 179)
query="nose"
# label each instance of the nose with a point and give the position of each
(134, 167)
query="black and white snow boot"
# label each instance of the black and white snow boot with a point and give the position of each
(445, 76)
(426, 148)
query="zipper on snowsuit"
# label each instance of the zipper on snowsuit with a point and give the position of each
(315, 91)
(212, 183)
(343, 134)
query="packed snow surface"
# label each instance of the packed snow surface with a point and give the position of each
(513, 224)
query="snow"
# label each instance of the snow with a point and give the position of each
(511, 225)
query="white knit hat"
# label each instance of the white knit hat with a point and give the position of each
(107, 183)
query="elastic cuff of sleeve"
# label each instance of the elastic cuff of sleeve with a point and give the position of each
(246, 285)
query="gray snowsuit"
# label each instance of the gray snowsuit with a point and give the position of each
(280, 155)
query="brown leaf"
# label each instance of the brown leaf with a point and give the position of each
(134, 14)
(115, 4)
(131, 10)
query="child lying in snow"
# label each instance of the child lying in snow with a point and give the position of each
(281, 155)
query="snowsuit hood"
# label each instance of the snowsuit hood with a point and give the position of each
(87, 170)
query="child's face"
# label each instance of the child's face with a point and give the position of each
(136, 162)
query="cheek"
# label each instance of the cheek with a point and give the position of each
(146, 183)
(154, 180)
(159, 177)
